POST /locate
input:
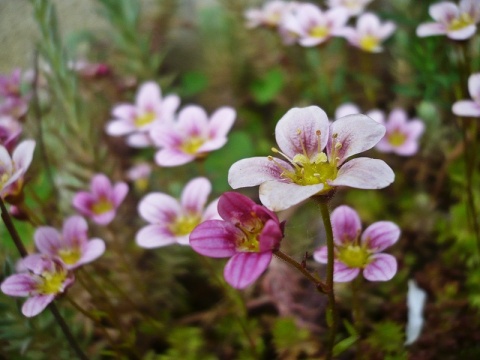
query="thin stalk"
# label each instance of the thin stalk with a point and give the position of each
(11, 229)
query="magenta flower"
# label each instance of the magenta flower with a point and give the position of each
(12, 169)
(354, 252)
(402, 135)
(302, 134)
(369, 33)
(456, 22)
(10, 130)
(44, 278)
(469, 107)
(10, 84)
(136, 120)
(248, 234)
(171, 221)
(192, 136)
(103, 200)
(72, 246)
(313, 26)
(354, 7)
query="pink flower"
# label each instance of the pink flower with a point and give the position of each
(102, 202)
(15, 107)
(269, 15)
(354, 252)
(346, 109)
(171, 221)
(402, 135)
(457, 22)
(302, 134)
(72, 246)
(354, 7)
(192, 136)
(136, 120)
(469, 107)
(313, 26)
(10, 130)
(10, 84)
(44, 278)
(248, 233)
(369, 33)
(12, 169)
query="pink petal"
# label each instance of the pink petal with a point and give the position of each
(47, 240)
(321, 255)
(270, 237)
(343, 273)
(415, 128)
(377, 115)
(346, 109)
(443, 11)
(337, 18)
(409, 148)
(236, 208)
(356, 133)
(153, 236)
(193, 121)
(75, 231)
(139, 140)
(299, 127)
(463, 33)
(172, 157)
(120, 191)
(125, 112)
(23, 154)
(221, 122)
(19, 285)
(254, 171)
(211, 145)
(149, 97)
(346, 225)
(36, 304)
(211, 212)
(367, 23)
(244, 268)
(364, 173)
(431, 29)
(159, 208)
(279, 196)
(195, 194)
(380, 235)
(119, 128)
(100, 186)
(83, 201)
(169, 105)
(104, 218)
(93, 250)
(474, 86)
(466, 108)
(386, 30)
(381, 268)
(165, 135)
(215, 238)
(5, 160)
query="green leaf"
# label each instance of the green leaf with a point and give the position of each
(344, 345)
(267, 88)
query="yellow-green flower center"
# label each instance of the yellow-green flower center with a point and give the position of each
(249, 242)
(52, 282)
(192, 144)
(461, 22)
(396, 138)
(144, 119)
(102, 206)
(353, 256)
(319, 31)
(369, 43)
(184, 225)
(69, 256)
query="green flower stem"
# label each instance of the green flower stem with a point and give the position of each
(52, 307)
(319, 284)
(331, 310)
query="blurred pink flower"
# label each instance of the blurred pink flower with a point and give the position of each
(347, 109)
(72, 246)
(354, 253)
(44, 278)
(10, 130)
(135, 120)
(354, 7)
(458, 22)
(248, 233)
(12, 169)
(171, 221)
(192, 136)
(469, 107)
(269, 15)
(312, 25)
(369, 33)
(10, 85)
(103, 200)
(402, 135)
(302, 134)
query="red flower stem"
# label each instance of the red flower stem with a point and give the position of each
(52, 307)
(318, 283)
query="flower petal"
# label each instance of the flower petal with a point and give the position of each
(381, 268)
(172, 157)
(93, 250)
(215, 238)
(100, 186)
(153, 236)
(83, 201)
(244, 268)
(235, 208)
(148, 97)
(18, 285)
(23, 154)
(380, 235)
(36, 304)
(195, 194)
(321, 255)
(474, 86)
(270, 237)
(104, 218)
(343, 273)
(47, 240)
(444, 11)
(159, 208)
(74, 231)
(211, 211)
(221, 122)
(193, 120)
(254, 171)
(278, 196)
(120, 191)
(431, 29)
(346, 225)
(466, 108)
(364, 173)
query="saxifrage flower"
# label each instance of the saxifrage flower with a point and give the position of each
(317, 155)
(12, 169)
(248, 234)
(356, 251)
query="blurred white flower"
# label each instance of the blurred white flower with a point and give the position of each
(416, 298)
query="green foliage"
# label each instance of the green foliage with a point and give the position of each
(290, 341)
(388, 338)
(268, 86)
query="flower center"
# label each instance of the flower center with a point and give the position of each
(69, 256)
(273, 19)
(251, 230)
(353, 256)
(144, 119)
(102, 206)
(52, 282)
(369, 43)
(461, 22)
(184, 225)
(320, 31)
(192, 144)
(396, 138)
(313, 169)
